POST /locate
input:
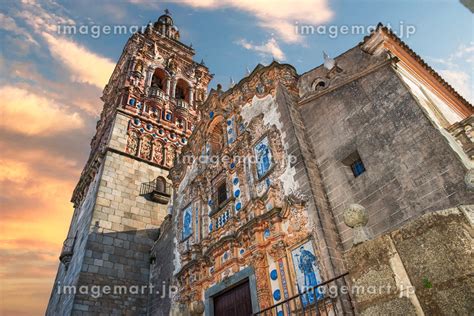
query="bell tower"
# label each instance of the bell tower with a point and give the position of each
(151, 105)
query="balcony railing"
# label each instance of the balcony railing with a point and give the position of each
(158, 191)
(67, 251)
(156, 92)
(182, 104)
(318, 300)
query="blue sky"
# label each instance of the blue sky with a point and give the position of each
(51, 84)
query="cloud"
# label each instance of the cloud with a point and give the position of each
(35, 210)
(28, 113)
(36, 187)
(7, 23)
(270, 48)
(460, 80)
(47, 123)
(84, 97)
(457, 69)
(84, 65)
(278, 16)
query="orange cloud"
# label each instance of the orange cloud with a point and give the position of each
(81, 96)
(29, 113)
(35, 216)
(36, 181)
(84, 66)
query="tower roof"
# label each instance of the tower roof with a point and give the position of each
(165, 19)
(165, 25)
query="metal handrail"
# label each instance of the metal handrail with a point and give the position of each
(152, 187)
(308, 290)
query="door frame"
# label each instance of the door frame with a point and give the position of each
(227, 284)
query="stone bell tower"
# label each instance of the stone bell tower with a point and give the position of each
(150, 108)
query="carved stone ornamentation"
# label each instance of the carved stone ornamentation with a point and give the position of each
(146, 147)
(132, 143)
(170, 154)
(158, 152)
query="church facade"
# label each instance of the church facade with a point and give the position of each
(236, 198)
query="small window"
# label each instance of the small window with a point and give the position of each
(355, 163)
(221, 193)
(357, 167)
(319, 84)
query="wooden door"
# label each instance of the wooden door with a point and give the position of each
(234, 302)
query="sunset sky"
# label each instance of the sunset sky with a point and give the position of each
(50, 85)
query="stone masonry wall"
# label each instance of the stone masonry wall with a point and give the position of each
(161, 271)
(60, 302)
(423, 268)
(307, 178)
(410, 168)
(123, 228)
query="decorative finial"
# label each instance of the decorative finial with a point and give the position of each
(329, 63)
(202, 62)
(248, 70)
(167, 12)
(356, 217)
(232, 82)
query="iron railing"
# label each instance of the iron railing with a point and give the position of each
(157, 190)
(318, 300)
(155, 186)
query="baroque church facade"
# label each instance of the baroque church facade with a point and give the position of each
(242, 199)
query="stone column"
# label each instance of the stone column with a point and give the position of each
(168, 86)
(263, 287)
(173, 88)
(149, 77)
(131, 65)
(191, 96)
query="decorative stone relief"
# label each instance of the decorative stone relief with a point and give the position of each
(132, 143)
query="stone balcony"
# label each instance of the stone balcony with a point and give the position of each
(221, 213)
(156, 191)
(180, 103)
(156, 92)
